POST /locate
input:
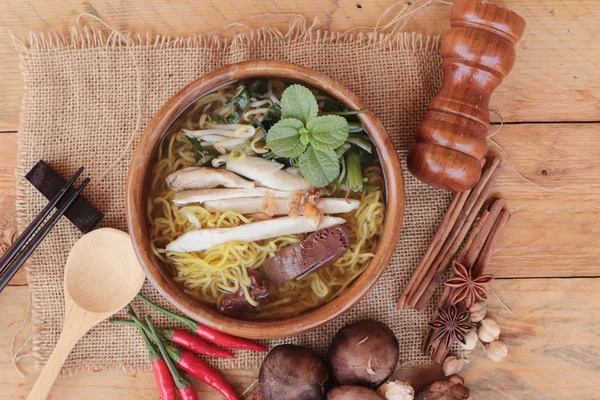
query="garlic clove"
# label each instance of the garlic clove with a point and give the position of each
(478, 311)
(496, 351)
(489, 330)
(453, 365)
(471, 339)
(397, 390)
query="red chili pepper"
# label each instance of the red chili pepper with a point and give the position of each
(196, 367)
(193, 343)
(220, 338)
(227, 340)
(184, 387)
(188, 393)
(164, 380)
(162, 375)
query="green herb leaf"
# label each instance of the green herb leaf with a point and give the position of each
(242, 100)
(239, 103)
(273, 113)
(203, 155)
(304, 136)
(217, 118)
(327, 132)
(234, 117)
(298, 102)
(319, 167)
(256, 87)
(284, 138)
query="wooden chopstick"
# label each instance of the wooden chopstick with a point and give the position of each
(21, 254)
(24, 237)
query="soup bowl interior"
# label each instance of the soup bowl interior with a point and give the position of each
(139, 181)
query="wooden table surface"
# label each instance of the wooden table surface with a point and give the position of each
(547, 261)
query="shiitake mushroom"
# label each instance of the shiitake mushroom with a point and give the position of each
(292, 372)
(364, 353)
(351, 392)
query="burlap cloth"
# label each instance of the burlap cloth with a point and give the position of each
(85, 91)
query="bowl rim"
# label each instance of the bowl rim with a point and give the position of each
(136, 201)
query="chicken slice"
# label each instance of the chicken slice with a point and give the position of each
(202, 239)
(254, 168)
(205, 178)
(202, 195)
(284, 180)
(267, 173)
(279, 206)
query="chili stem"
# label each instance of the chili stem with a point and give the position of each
(180, 381)
(153, 354)
(173, 352)
(186, 321)
(212, 335)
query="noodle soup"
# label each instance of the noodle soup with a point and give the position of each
(266, 199)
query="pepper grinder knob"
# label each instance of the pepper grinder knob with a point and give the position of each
(477, 53)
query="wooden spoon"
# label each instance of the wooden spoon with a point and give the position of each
(102, 276)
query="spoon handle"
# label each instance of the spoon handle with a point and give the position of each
(77, 323)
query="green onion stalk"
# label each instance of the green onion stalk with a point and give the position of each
(354, 179)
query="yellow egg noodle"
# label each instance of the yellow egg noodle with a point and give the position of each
(206, 275)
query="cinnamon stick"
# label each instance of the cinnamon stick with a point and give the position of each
(434, 248)
(476, 255)
(437, 271)
(475, 243)
(490, 243)
(456, 212)
(475, 229)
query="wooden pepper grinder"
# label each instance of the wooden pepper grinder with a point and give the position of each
(477, 52)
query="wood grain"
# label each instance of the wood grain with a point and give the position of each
(8, 223)
(97, 384)
(551, 332)
(555, 77)
(551, 234)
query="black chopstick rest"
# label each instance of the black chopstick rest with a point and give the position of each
(81, 213)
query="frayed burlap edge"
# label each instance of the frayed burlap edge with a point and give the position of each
(90, 38)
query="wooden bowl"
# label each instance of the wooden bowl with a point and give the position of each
(138, 183)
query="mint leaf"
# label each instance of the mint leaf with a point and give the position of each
(304, 136)
(319, 167)
(284, 138)
(327, 132)
(298, 102)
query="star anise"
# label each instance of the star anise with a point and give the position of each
(465, 287)
(451, 325)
